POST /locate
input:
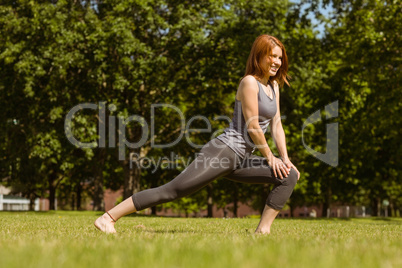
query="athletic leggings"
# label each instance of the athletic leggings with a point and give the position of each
(216, 160)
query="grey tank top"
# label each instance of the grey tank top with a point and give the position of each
(236, 135)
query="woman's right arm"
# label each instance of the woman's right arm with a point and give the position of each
(248, 95)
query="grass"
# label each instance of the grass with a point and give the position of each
(69, 239)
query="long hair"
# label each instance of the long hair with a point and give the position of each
(261, 49)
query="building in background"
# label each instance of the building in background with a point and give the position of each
(15, 203)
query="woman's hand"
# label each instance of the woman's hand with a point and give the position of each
(278, 166)
(290, 165)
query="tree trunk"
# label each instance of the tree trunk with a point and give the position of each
(375, 204)
(32, 202)
(98, 180)
(131, 179)
(210, 201)
(98, 193)
(391, 210)
(132, 175)
(328, 197)
(235, 199)
(153, 210)
(52, 191)
(324, 209)
(291, 211)
(73, 200)
(78, 196)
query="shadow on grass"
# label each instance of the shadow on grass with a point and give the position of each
(381, 219)
(166, 217)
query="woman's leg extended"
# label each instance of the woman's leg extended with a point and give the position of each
(255, 169)
(215, 160)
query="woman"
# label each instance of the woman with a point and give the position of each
(230, 154)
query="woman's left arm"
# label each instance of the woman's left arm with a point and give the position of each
(278, 134)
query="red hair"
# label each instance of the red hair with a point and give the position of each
(262, 48)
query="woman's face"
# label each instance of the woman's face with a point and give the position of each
(274, 61)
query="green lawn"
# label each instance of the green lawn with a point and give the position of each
(69, 239)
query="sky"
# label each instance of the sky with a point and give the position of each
(324, 11)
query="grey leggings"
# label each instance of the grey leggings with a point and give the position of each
(216, 160)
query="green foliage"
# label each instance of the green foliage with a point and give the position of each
(55, 55)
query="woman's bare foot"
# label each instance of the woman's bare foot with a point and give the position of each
(268, 216)
(262, 231)
(105, 224)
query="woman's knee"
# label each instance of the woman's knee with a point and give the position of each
(291, 179)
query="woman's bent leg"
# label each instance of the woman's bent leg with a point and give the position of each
(255, 169)
(267, 218)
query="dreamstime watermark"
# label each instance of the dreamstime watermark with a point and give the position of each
(148, 133)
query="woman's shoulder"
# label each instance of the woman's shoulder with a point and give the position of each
(248, 83)
(248, 79)
(248, 87)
